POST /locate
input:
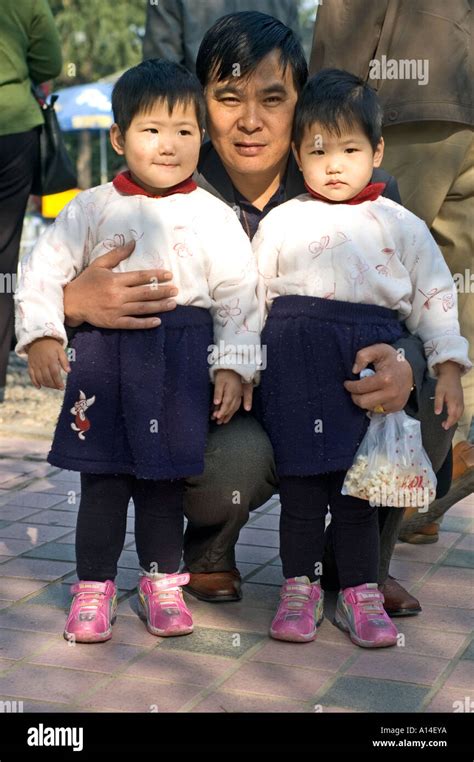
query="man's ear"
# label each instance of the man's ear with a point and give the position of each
(116, 139)
(296, 155)
(378, 153)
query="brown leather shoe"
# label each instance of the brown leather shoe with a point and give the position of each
(463, 459)
(215, 587)
(398, 601)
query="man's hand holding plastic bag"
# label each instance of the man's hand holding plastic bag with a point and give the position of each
(391, 467)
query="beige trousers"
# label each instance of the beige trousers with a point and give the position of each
(433, 163)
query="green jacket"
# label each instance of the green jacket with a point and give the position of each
(30, 51)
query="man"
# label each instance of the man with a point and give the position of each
(429, 147)
(252, 69)
(30, 51)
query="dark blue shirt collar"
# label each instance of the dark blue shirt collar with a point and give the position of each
(249, 215)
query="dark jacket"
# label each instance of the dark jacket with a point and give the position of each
(349, 34)
(175, 28)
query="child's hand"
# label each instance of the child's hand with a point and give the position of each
(46, 358)
(449, 392)
(227, 395)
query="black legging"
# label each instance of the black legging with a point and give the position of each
(355, 531)
(102, 524)
(19, 154)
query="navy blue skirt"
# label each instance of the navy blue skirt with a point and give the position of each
(138, 402)
(311, 344)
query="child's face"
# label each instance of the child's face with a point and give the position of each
(337, 167)
(160, 149)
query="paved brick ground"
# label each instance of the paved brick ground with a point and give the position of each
(228, 664)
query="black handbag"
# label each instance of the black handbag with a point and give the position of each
(55, 171)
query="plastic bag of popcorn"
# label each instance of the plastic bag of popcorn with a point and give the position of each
(391, 467)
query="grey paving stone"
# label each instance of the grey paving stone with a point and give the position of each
(36, 533)
(212, 641)
(54, 487)
(30, 618)
(269, 575)
(34, 499)
(261, 537)
(253, 554)
(129, 560)
(36, 568)
(10, 547)
(457, 557)
(68, 539)
(16, 589)
(58, 684)
(54, 551)
(469, 652)
(56, 518)
(374, 695)
(16, 512)
(268, 521)
(260, 596)
(457, 524)
(57, 595)
(67, 506)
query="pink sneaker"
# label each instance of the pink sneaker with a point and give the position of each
(163, 605)
(92, 612)
(360, 612)
(300, 611)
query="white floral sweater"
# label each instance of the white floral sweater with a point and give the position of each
(191, 233)
(373, 252)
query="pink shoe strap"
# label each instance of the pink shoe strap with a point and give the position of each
(370, 601)
(89, 587)
(364, 596)
(170, 582)
(296, 589)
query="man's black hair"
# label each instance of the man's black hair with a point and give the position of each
(245, 38)
(338, 100)
(155, 80)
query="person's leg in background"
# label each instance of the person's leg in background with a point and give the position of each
(239, 477)
(19, 156)
(453, 229)
(434, 166)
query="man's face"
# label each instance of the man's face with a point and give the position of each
(337, 167)
(250, 119)
(161, 149)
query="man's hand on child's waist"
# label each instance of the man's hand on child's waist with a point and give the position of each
(107, 299)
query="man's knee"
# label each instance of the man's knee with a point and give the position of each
(239, 472)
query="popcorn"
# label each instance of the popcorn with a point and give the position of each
(391, 467)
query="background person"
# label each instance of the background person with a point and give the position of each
(30, 53)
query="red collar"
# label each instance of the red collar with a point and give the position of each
(371, 192)
(125, 184)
